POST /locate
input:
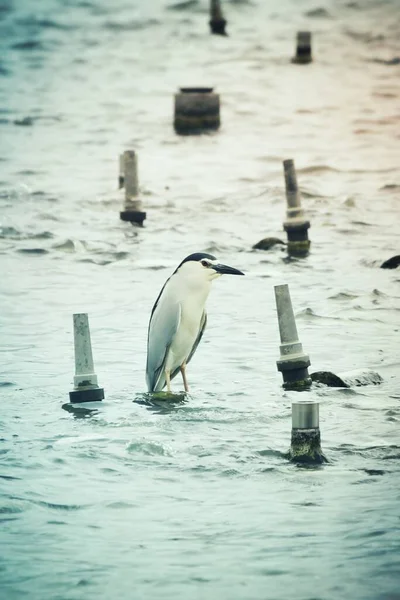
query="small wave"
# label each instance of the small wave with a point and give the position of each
(364, 36)
(390, 186)
(388, 62)
(343, 296)
(318, 13)
(147, 448)
(131, 25)
(44, 24)
(318, 169)
(185, 5)
(28, 45)
(364, 223)
(10, 509)
(54, 506)
(24, 122)
(67, 246)
(37, 251)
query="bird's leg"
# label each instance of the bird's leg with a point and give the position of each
(168, 380)
(183, 371)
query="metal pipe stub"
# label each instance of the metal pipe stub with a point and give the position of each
(196, 110)
(305, 415)
(303, 48)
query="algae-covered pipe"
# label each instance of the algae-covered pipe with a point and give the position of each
(306, 436)
(86, 387)
(293, 362)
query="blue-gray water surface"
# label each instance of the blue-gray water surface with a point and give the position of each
(195, 499)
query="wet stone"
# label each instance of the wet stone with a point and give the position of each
(267, 243)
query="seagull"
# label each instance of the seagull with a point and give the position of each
(178, 319)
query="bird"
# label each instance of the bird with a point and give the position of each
(179, 317)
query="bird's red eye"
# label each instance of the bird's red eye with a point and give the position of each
(205, 263)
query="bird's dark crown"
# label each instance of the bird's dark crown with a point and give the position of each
(197, 257)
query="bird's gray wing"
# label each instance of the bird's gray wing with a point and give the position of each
(164, 323)
(203, 323)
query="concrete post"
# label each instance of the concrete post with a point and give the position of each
(196, 111)
(293, 363)
(133, 205)
(121, 171)
(306, 436)
(86, 388)
(303, 48)
(296, 225)
(217, 21)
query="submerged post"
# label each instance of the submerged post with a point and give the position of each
(296, 225)
(303, 48)
(86, 388)
(293, 363)
(121, 171)
(306, 436)
(217, 21)
(196, 111)
(133, 205)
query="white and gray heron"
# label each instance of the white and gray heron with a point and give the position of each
(178, 319)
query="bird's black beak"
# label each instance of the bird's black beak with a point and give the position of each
(225, 270)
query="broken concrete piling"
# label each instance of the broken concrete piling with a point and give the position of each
(197, 110)
(133, 208)
(217, 22)
(296, 225)
(303, 48)
(86, 387)
(121, 171)
(293, 362)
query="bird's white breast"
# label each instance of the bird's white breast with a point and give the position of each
(192, 296)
